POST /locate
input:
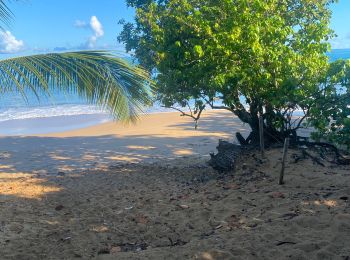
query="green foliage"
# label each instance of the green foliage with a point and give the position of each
(5, 14)
(330, 113)
(98, 77)
(270, 54)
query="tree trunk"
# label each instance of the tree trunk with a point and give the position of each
(271, 134)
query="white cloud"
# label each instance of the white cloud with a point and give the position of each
(97, 29)
(340, 43)
(9, 43)
(80, 24)
(96, 26)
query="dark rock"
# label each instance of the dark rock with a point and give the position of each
(224, 160)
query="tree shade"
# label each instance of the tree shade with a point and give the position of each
(256, 57)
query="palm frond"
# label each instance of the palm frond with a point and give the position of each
(5, 14)
(99, 77)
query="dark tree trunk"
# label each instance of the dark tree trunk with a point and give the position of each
(271, 134)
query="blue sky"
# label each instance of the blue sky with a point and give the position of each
(49, 25)
(341, 24)
(43, 25)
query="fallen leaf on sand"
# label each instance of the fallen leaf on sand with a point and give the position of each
(233, 221)
(115, 250)
(141, 219)
(231, 186)
(276, 195)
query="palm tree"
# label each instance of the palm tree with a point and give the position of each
(99, 77)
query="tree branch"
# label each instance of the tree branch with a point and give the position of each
(191, 114)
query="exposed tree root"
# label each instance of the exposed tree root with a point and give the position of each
(313, 158)
(228, 153)
(324, 148)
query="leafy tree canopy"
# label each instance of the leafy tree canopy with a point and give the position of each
(254, 56)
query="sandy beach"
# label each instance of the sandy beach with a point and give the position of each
(78, 182)
(145, 191)
(162, 136)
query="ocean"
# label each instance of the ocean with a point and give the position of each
(65, 112)
(339, 54)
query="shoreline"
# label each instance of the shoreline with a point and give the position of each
(46, 125)
(157, 123)
(51, 121)
(57, 124)
(164, 136)
(155, 137)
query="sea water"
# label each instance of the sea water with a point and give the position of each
(62, 112)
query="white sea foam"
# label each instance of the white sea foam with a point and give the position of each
(16, 113)
(32, 112)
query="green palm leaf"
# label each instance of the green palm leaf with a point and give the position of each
(98, 77)
(5, 14)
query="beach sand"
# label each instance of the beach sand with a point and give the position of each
(155, 137)
(146, 192)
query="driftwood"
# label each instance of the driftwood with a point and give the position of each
(224, 160)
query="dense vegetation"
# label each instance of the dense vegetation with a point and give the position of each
(251, 57)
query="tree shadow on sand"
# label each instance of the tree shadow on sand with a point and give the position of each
(143, 197)
(52, 154)
(165, 211)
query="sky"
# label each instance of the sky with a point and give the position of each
(56, 25)
(41, 26)
(340, 23)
